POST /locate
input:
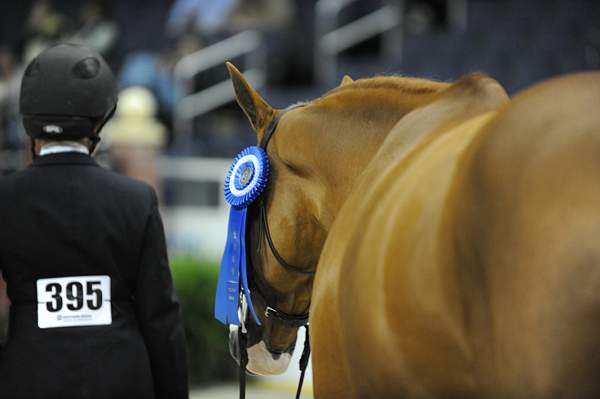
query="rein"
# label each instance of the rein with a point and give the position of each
(264, 143)
(271, 312)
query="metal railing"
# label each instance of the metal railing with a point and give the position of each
(195, 226)
(197, 169)
(189, 104)
(332, 39)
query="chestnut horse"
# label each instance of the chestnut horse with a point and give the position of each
(452, 232)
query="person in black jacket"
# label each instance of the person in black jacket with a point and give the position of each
(93, 309)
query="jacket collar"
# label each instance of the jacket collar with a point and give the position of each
(63, 146)
(64, 158)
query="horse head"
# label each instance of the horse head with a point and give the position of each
(316, 151)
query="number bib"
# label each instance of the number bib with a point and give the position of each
(74, 301)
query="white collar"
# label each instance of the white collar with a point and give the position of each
(57, 147)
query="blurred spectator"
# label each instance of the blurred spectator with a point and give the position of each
(419, 18)
(10, 83)
(96, 29)
(135, 138)
(205, 17)
(261, 14)
(427, 15)
(44, 26)
(7, 67)
(9, 88)
(155, 72)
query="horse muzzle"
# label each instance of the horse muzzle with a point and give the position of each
(261, 361)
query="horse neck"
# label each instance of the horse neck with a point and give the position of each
(368, 112)
(354, 129)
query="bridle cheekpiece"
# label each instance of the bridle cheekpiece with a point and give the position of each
(245, 184)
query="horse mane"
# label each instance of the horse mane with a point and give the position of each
(414, 86)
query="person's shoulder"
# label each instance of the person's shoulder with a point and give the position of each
(9, 185)
(129, 186)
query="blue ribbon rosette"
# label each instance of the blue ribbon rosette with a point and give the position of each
(245, 182)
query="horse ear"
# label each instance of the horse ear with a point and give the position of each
(256, 109)
(346, 80)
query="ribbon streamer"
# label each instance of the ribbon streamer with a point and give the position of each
(233, 268)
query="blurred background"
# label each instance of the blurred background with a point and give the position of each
(177, 125)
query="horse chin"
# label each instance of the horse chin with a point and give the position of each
(263, 362)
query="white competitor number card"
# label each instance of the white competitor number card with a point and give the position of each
(74, 301)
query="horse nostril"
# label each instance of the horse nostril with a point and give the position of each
(276, 356)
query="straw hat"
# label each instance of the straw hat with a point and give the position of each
(135, 122)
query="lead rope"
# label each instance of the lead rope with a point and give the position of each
(243, 362)
(303, 362)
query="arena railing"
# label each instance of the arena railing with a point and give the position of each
(331, 39)
(248, 45)
(195, 212)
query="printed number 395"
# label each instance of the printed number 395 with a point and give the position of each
(74, 296)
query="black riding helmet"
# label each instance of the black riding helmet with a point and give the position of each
(68, 92)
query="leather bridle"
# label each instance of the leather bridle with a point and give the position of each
(271, 311)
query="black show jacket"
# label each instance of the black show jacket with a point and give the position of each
(66, 216)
